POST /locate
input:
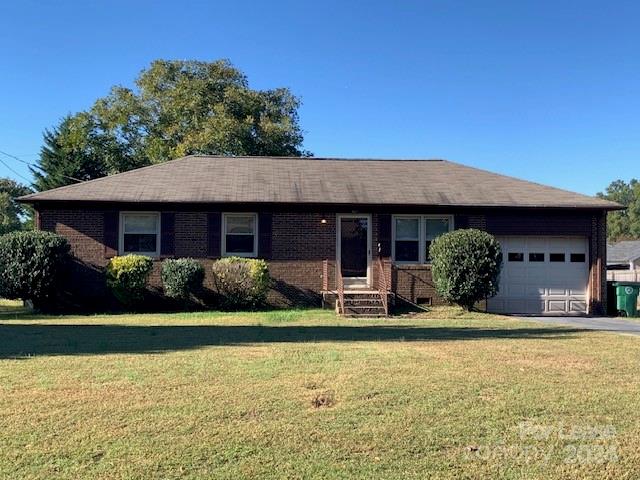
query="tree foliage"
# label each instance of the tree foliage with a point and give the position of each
(31, 265)
(73, 151)
(624, 224)
(177, 108)
(466, 266)
(13, 215)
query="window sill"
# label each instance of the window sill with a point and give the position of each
(155, 256)
(412, 266)
(241, 255)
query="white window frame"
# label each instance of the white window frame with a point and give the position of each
(422, 241)
(225, 216)
(121, 233)
(393, 238)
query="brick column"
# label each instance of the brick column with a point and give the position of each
(598, 264)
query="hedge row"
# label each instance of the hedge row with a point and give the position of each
(33, 265)
(239, 282)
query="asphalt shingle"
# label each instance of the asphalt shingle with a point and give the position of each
(217, 179)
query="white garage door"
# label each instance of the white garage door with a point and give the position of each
(542, 275)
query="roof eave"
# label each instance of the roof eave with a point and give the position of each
(33, 198)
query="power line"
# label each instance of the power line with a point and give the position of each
(14, 171)
(32, 165)
(16, 158)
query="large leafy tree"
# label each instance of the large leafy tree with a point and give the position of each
(625, 224)
(13, 215)
(177, 108)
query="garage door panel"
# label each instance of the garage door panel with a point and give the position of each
(517, 290)
(534, 306)
(533, 290)
(539, 287)
(578, 306)
(515, 304)
(557, 306)
(557, 291)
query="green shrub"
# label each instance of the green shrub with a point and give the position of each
(466, 266)
(127, 277)
(241, 282)
(181, 277)
(31, 265)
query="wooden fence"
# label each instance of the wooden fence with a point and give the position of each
(623, 275)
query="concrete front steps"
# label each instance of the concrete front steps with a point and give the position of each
(358, 303)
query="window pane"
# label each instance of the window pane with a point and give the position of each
(516, 257)
(407, 250)
(577, 257)
(536, 257)
(436, 227)
(139, 243)
(240, 224)
(556, 257)
(239, 243)
(140, 223)
(407, 228)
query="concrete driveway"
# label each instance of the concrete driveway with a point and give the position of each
(607, 324)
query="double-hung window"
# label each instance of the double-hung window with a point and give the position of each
(140, 233)
(407, 241)
(433, 228)
(240, 235)
(413, 235)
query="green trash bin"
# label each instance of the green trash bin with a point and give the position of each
(627, 298)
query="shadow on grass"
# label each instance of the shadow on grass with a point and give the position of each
(29, 340)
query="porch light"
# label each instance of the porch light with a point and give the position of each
(323, 221)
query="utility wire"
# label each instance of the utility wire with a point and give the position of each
(16, 158)
(14, 171)
(32, 165)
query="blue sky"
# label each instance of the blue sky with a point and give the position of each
(548, 91)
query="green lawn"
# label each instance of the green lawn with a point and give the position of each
(303, 394)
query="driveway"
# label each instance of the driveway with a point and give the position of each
(607, 324)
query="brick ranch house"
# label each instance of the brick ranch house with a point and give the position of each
(312, 218)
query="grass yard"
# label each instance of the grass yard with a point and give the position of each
(303, 394)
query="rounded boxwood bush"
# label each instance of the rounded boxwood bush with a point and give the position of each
(466, 266)
(127, 277)
(181, 277)
(31, 265)
(241, 282)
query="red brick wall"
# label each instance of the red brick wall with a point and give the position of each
(300, 243)
(191, 234)
(85, 230)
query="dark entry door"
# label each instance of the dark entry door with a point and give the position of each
(354, 249)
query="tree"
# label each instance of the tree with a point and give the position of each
(466, 266)
(624, 224)
(177, 108)
(13, 215)
(73, 151)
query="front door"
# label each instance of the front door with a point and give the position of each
(354, 249)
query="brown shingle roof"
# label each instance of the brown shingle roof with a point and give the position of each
(212, 179)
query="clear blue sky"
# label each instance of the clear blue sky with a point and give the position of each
(544, 90)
